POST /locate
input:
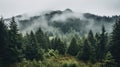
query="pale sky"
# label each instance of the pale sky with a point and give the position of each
(100, 7)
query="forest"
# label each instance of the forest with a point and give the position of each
(38, 49)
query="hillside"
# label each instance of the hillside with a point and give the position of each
(64, 21)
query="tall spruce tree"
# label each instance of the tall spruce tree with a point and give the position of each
(42, 39)
(91, 38)
(86, 52)
(15, 45)
(57, 44)
(73, 48)
(97, 37)
(101, 49)
(61, 47)
(3, 42)
(31, 47)
(115, 41)
(53, 43)
(33, 50)
(92, 43)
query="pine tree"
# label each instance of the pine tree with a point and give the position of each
(73, 48)
(31, 47)
(97, 36)
(15, 45)
(62, 48)
(3, 42)
(86, 52)
(115, 41)
(101, 47)
(33, 50)
(109, 61)
(57, 44)
(42, 39)
(91, 39)
(92, 43)
(54, 43)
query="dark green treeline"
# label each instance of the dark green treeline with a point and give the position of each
(99, 47)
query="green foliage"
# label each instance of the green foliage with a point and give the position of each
(57, 44)
(14, 44)
(42, 39)
(65, 65)
(73, 65)
(28, 63)
(92, 44)
(51, 53)
(109, 61)
(86, 52)
(101, 46)
(51, 62)
(3, 42)
(11, 44)
(115, 41)
(33, 50)
(73, 48)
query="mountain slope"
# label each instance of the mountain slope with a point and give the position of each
(65, 22)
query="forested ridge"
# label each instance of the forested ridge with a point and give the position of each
(38, 49)
(60, 22)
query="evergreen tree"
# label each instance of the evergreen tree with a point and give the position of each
(62, 48)
(31, 47)
(42, 39)
(33, 51)
(101, 49)
(92, 43)
(91, 39)
(109, 61)
(3, 42)
(115, 41)
(53, 43)
(57, 44)
(86, 52)
(15, 45)
(97, 36)
(73, 48)
(25, 42)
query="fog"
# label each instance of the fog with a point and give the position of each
(42, 22)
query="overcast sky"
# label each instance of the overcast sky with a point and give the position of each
(100, 7)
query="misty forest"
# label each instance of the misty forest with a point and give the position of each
(60, 39)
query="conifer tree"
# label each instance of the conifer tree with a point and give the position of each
(92, 43)
(59, 45)
(115, 41)
(91, 39)
(42, 39)
(109, 61)
(33, 50)
(73, 48)
(3, 42)
(86, 52)
(101, 47)
(15, 45)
